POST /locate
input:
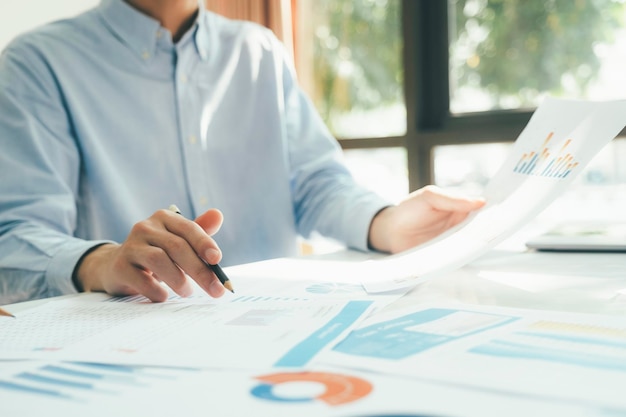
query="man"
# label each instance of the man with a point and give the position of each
(111, 116)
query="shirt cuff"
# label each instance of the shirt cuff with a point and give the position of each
(62, 264)
(358, 221)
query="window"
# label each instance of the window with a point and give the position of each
(349, 60)
(350, 63)
(448, 85)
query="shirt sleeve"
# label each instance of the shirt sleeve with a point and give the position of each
(39, 167)
(326, 197)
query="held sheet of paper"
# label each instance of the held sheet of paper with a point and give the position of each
(240, 331)
(560, 139)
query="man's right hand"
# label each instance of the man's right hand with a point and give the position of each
(166, 247)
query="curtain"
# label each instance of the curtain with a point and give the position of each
(274, 14)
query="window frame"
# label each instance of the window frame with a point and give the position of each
(430, 123)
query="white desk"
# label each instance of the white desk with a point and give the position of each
(512, 276)
(573, 282)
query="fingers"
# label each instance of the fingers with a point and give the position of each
(192, 238)
(190, 248)
(142, 282)
(425, 214)
(210, 221)
(187, 248)
(154, 260)
(456, 218)
(446, 201)
(166, 247)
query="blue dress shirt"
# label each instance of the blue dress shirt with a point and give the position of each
(104, 120)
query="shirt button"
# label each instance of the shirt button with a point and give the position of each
(193, 139)
(159, 34)
(203, 201)
(145, 54)
(183, 78)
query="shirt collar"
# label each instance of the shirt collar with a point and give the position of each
(202, 33)
(141, 32)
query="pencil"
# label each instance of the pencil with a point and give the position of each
(217, 270)
(5, 313)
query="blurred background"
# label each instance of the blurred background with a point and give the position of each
(422, 91)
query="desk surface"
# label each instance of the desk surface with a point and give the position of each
(515, 277)
(563, 281)
(571, 282)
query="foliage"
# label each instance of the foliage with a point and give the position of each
(523, 48)
(514, 50)
(358, 54)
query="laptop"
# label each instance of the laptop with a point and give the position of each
(596, 236)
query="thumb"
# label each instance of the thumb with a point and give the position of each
(211, 221)
(443, 200)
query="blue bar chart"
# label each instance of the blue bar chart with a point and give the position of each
(544, 162)
(84, 382)
(584, 345)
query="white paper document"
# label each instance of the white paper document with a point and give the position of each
(243, 332)
(308, 278)
(572, 357)
(560, 139)
(73, 389)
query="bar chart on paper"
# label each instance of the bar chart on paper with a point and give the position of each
(545, 162)
(580, 344)
(577, 357)
(78, 382)
(583, 345)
